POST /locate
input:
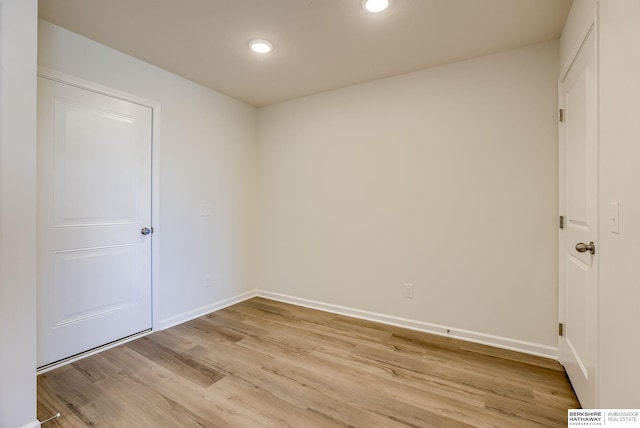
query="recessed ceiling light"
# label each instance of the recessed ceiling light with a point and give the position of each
(375, 5)
(261, 46)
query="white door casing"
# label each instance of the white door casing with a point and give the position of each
(578, 174)
(94, 197)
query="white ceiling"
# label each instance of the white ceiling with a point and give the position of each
(319, 44)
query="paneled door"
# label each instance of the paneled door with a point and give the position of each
(579, 237)
(94, 220)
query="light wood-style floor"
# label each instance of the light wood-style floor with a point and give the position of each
(262, 363)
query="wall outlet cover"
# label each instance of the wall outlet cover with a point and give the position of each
(408, 291)
(205, 210)
(208, 281)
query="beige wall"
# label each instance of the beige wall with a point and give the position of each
(444, 178)
(619, 182)
(18, 20)
(206, 154)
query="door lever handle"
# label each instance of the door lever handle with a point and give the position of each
(583, 248)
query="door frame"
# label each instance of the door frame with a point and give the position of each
(590, 25)
(155, 107)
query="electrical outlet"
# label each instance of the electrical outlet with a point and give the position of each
(408, 291)
(205, 210)
(208, 281)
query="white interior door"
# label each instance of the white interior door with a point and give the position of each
(94, 198)
(578, 205)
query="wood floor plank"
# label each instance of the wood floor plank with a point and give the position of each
(186, 367)
(263, 363)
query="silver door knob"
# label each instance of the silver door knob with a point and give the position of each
(146, 230)
(583, 248)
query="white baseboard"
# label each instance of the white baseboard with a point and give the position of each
(204, 310)
(530, 348)
(470, 336)
(34, 424)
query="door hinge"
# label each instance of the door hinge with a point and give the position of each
(561, 222)
(560, 329)
(561, 115)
